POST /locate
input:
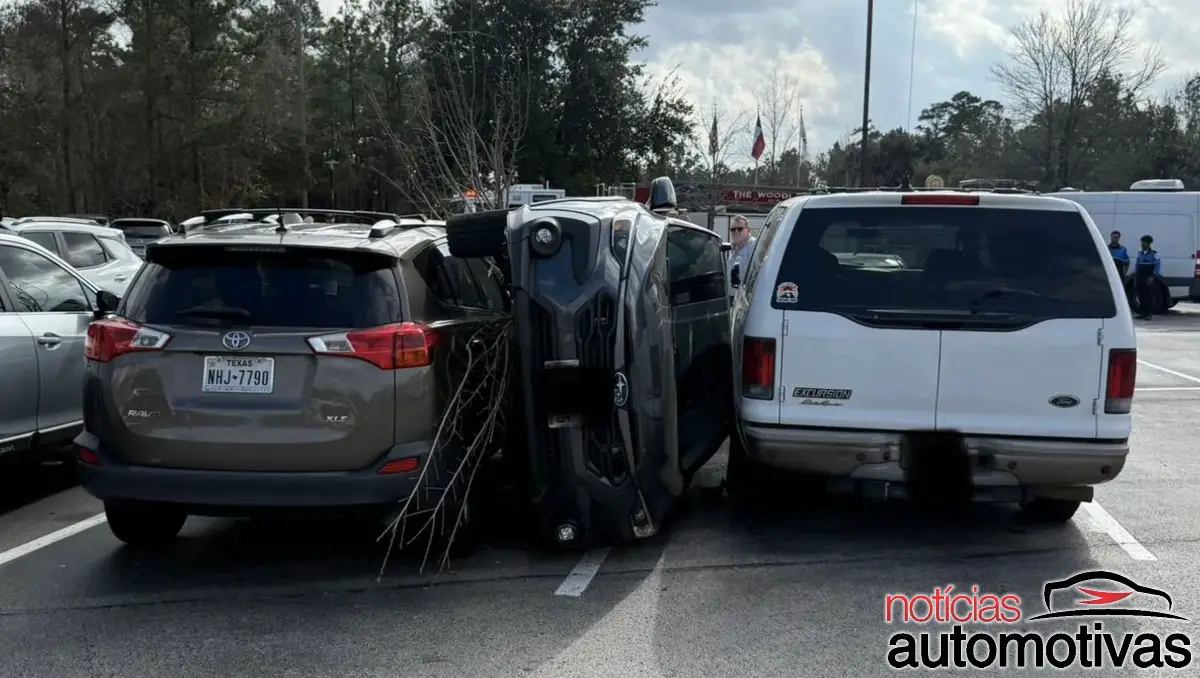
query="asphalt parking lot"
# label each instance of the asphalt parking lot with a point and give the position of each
(798, 594)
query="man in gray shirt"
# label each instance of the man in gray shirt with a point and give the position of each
(743, 246)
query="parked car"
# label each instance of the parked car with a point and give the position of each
(45, 308)
(997, 363)
(623, 323)
(98, 252)
(140, 232)
(97, 218)
(259, 367)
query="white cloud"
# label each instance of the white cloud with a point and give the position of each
(724, 50)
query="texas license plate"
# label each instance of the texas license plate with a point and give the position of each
(223, 374)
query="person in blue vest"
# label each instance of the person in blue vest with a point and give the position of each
(1120, 255)
(1146, 269)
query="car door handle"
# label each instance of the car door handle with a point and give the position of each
(49, 340)
(120, 278)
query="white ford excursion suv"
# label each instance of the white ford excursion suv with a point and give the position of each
(983, 351)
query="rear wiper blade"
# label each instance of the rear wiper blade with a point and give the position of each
(998, 292)
(216, 312)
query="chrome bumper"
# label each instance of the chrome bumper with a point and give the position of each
(996, 462)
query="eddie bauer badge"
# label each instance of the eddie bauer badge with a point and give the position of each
(785, 293)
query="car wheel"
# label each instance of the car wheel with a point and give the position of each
(479, 235)
(143, 524)
(1046, 510)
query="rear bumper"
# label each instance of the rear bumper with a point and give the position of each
(996, 462)
(237, 493)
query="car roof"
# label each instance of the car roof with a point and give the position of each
(404, 235)
(67, 225)
(138, 220)
(890, 198)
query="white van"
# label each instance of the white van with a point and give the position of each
(992, 350)
(1162, 209)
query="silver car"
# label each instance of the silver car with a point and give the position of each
(45, 309)
(100, 253)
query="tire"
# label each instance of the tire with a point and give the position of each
(144, 525)
(1050, 511)
(479, 235)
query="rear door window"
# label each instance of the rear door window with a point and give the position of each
(872, 260)
(45, 239)
(265, 287)
(83, 251)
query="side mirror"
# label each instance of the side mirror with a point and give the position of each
(726, 247)
(106, 302)
(662, 195)
(735, 276)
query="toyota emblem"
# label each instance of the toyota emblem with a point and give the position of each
(620, 390)
(236, 340)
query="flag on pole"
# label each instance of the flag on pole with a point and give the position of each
(803, 137)
(712, 135)
(760, 142)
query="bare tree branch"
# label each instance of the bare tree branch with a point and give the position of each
(779, 101)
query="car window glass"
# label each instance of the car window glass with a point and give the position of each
(38, 285)
(321, 289)
(695, 264)
(465, 288)
(44, 239)
(430, 265)
(115, 249)
(488, 277)
(1035, 263)
(761, 246)
(82, 250)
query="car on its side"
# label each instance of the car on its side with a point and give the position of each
(140, 232)
(100, 253)
(45, 309)
(998, 363)
(622, 316)
(260, 368)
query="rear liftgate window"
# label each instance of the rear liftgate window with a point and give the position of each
(265, 287)
(881, 265)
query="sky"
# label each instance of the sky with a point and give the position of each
(723, 49)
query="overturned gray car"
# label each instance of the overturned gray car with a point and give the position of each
(622, 316)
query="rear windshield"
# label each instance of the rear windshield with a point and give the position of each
(143, 229)
(1036, 263)
(265, 287)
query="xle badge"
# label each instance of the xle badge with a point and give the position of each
(786, 292)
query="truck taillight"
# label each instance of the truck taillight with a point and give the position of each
(1122, 372)
(111, 338)
(758, 368)
(391, 347)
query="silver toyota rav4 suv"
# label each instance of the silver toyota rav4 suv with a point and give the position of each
(258, 367)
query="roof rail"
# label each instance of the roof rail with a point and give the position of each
(346, 216)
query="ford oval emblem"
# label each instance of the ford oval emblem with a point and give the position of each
(620, 390)
(236, 340)
(1064, 401)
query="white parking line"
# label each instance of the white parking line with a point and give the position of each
(1167, 370)
(583, 572)
(1104, 521)
(56, 536)
(1167, 388)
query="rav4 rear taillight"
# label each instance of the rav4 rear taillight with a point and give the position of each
(391, 347)
(758, 368)
(111, 338)
(1122, 373)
